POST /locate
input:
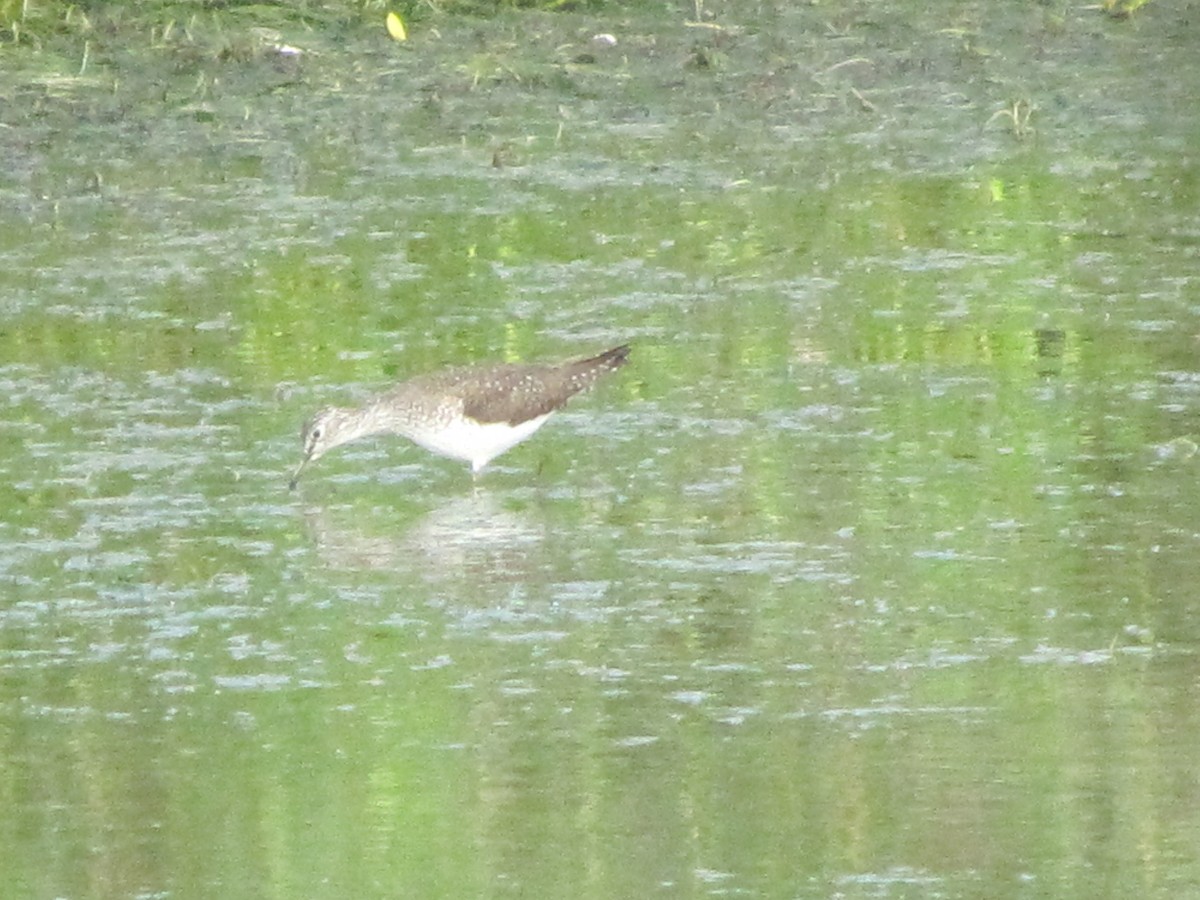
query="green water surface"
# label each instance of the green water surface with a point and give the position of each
(872, 575)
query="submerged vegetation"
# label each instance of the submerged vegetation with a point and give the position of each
(35, 22)
(76, 31)
(33, 19)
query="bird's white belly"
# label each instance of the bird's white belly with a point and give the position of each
(476, 442)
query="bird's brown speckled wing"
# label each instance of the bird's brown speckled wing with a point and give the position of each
(518, 393)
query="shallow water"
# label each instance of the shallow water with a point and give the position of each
(871, 576)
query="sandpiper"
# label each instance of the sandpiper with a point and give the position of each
(473, 414)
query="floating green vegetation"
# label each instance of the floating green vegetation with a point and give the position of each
(1018, 115)
(1122, 9)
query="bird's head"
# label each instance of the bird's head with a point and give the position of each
(329, 428)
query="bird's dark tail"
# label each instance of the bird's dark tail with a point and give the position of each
(608, 360)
